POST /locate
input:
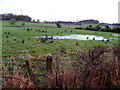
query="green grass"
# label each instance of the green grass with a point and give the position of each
(14, 48)
(13, 44)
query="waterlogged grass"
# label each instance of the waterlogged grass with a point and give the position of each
(19, 38)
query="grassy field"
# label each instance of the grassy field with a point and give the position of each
(21, 39)
(12, 43)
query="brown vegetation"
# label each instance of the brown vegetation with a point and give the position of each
(99, 67)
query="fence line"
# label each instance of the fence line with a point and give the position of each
(29, 67)
(28, 61)
(22, 54)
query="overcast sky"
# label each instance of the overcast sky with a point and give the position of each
(63, 10)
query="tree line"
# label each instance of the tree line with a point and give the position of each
(16, 17)
(107, 28)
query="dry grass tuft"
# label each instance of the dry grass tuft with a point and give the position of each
(16, 80)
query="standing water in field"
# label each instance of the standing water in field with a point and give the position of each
(76, 37)
(116, 35)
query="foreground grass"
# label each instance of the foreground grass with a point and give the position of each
(97, 67)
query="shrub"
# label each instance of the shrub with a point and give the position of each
(23, 41)
(51, 41)
(23, 24)
(58, 25)
(64, 79)
(12, 21)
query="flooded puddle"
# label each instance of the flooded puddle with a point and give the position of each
(116, 35)
(75, 37)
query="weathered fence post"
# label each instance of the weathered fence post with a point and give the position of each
(49, 63)
(29, 68)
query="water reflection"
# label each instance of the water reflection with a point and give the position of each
(116, 35)
(76, 37)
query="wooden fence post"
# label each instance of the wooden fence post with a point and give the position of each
(49, 64)
(29, 68)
